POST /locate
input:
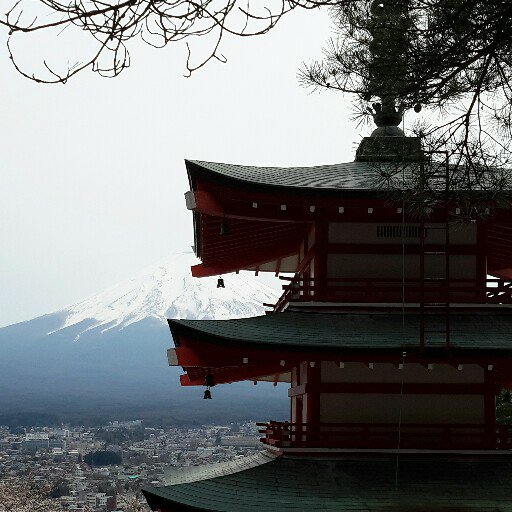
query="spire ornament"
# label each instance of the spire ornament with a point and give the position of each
(389, 23)
(389, 26)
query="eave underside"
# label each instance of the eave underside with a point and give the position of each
(294, 484)
(248, 245)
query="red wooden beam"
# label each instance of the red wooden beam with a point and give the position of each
(185, 380)
(472, 250)
(395, 388)
(236, 264)
(224, 376)
(409, 388)
(193, 350)
(204, 202)
(238, 196)
(190, 357)
(505, 273)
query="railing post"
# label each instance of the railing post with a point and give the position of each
(279, 436)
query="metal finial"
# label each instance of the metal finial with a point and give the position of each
(388, 48)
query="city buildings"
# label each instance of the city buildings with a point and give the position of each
(76, 486)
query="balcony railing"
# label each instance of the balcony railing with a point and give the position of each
(364, 290)
(385, 436)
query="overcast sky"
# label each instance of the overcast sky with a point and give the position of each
(93, 175)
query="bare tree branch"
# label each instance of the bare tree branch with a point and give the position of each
(112, 24)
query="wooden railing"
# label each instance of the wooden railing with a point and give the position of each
(386, 435)
(364, 290)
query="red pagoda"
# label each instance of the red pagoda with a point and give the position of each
(392, 335)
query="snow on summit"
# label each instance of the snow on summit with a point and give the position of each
(168, 290)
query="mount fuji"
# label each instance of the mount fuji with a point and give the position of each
(167, 290)
(105, 356)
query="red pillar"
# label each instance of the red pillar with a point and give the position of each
(321, 242)
(313, 403)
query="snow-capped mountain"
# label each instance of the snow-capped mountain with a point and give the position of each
(111, 347)
(168, 290)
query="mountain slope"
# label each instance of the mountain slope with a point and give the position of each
(109, 350)
(167, 290)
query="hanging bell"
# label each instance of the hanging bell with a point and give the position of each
(224, 228)
(220, 283)
(207, 395)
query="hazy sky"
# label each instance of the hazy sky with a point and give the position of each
(92, 172)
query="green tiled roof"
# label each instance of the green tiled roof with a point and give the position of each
(350, 175)
(283, 484)
(346, 176)
(176, 475)
(356, 332)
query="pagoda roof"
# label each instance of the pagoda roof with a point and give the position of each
(281, 484)
(342, 176)
(356, 176)
(355, 332)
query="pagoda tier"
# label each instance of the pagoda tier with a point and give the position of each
(264, 483)
(352, 374)
(313, 221)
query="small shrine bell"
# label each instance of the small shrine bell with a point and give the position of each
(220, 283)
(208, 382)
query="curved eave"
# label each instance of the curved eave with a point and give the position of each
(350, 333)
(346, 179)
(287, 484)
(351, 179)
(253, 348)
